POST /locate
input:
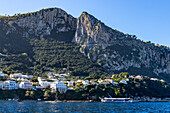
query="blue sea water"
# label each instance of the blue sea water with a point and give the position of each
(82, 107)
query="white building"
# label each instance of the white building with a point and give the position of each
(70, 83)
(94, 83)
(70, 88)
(85, 82)
(42, 83)
(15, 75)
(40, 79)
(103, 82)
(61, 75)
(138, 77)
(123, 82)
(39, 87)
(30, 76)
(154, 79)
(115, 83)
(1, 74)
(26, 85)
(80, 81)
(59, 86)
(64, 69)
(110, 80)
(65, 75)
(57, 75)
(22, 79)
(131, 76)
(20, 75)
(50, 75)
(1, 85)
(127, 80)
(45, 84)
(9, 85)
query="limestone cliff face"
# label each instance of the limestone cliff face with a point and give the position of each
(44, 21)
(92, 31)
(110, 48)
(118, 51)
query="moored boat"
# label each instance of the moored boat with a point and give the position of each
(118, 100)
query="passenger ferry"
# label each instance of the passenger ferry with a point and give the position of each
(105, 99)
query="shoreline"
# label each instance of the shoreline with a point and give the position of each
(55, 101)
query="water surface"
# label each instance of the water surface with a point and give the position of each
(82, 107)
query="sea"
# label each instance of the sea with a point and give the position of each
(83, 107)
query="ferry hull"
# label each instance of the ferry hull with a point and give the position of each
(118, 100)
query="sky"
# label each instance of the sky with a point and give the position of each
(149, 20)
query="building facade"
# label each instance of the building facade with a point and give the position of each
(59, 86)
(26, 85)
(9, 85)
(1, 74)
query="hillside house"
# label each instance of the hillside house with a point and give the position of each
(45, 84)
(110, 81)
(1, 84)
(50, 75)
(1, 74)
(80, 81)
(131, 76)
(138, 77)
(20, 75)
(70, 83)
(123, 82)
(26, 85)
(58, 86)
(9, 85)
(85, 82)
(94, 83)
(103, 82)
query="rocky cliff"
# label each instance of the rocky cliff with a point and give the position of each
(111, 49)
(44, 21)
(118, 51)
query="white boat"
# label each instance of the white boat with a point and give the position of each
(9, 99)
(118, 100)
(38, 99)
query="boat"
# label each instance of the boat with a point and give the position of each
(38, 99)
(9, 99)
(117, 100)
(14, 99)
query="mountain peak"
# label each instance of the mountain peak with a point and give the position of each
(87, 15)
(56, 10)
(51, 9)
(44, 21)
(84, 12)
(93, 31)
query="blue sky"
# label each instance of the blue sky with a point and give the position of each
(149, 20)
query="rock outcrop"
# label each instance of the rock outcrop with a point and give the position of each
(44, 21)
(118, 51)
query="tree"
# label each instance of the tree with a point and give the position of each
(88, 78)
(34, 80)
(47, 95)
(32, 94)
(49, 80)
(102, 77)
(79, 84)
(124, 74)
(27, 93)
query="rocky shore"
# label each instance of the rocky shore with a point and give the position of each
(148, 99)
(139, 100)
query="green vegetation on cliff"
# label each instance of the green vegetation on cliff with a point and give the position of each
(51, 55)
(134, 88)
